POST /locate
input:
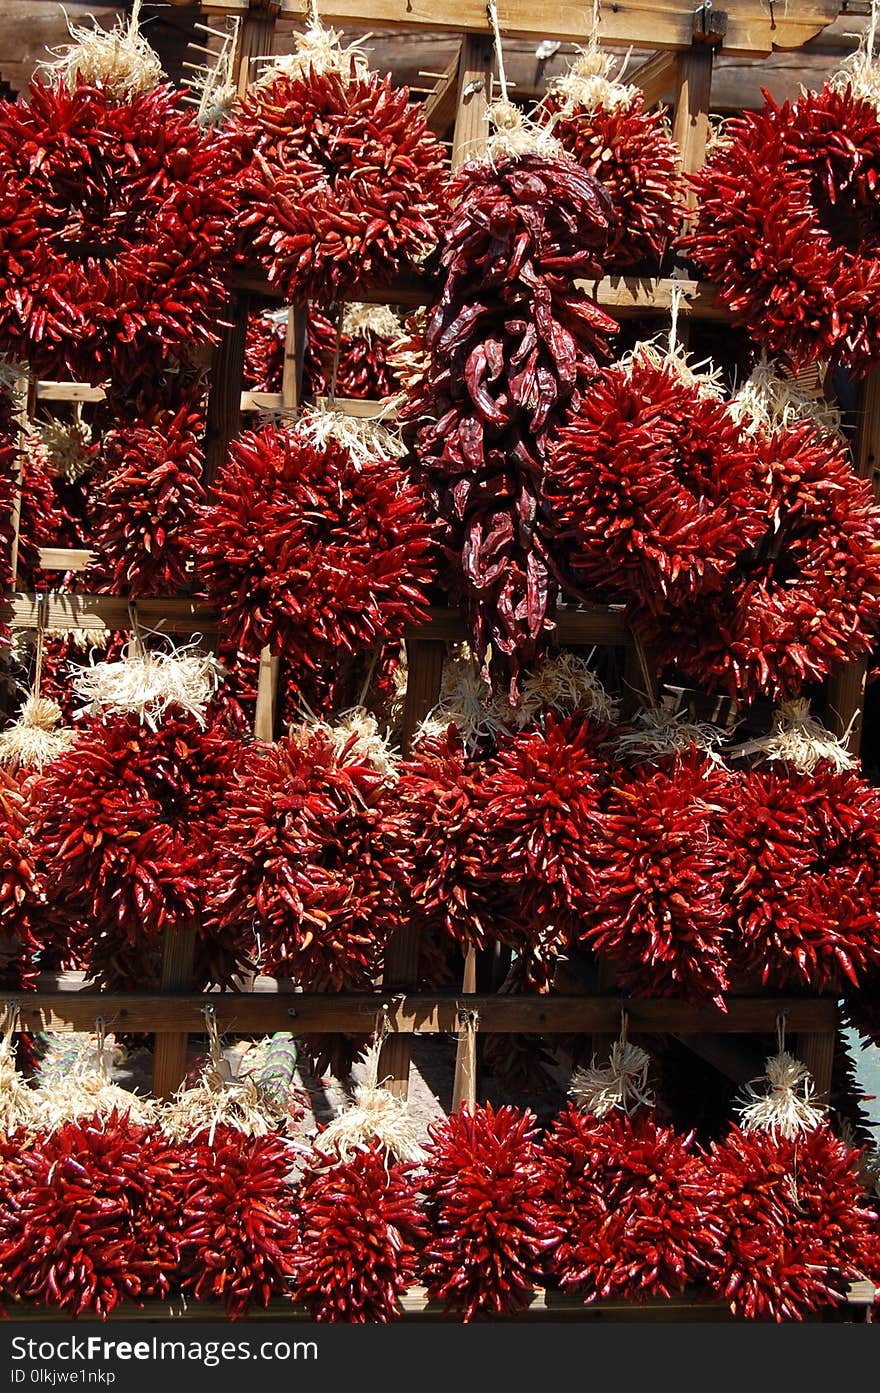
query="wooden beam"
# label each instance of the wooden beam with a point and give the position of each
(473, 94)
(65, 558)
(440, 105)
(170, 1051)
(271, 1006)
(223, 416)
(753, 26)
(98, 613)
(656, 76)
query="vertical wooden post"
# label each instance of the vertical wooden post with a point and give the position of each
(223, 416)
(474, 92)
(291, 392)
(424, 675)
(169, 1053)
(255, 39)
(816, 1051)
(464, 1084)
(24, 394)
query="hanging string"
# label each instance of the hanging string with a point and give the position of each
(337, 349)
(492, 10)
(674, 306)
(871, 36)
(312, 15)
(468, 1024)
(42, 614)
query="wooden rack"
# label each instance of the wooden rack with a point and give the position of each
(685, 38)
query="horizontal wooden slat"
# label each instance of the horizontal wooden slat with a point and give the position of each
(577, 628)
(68, 391)
(753, 26)
(272, 1006)
(65, 559)
(102, 612)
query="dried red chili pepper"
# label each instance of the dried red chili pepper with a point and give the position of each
(657, 490)
(363, 370)
(144, 501)
(512, 344)
(236, 1224)
(791, 1223)
(344, 187)
(627, 1196)
(97, 268)
(485, 1203)
(359, 1234)
(303, 864)
(804, 889)
(654, 904)
(311, 552)
(787, 226)
(91, 1217)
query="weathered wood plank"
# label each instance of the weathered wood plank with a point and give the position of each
(753, 26)
(270, 1007)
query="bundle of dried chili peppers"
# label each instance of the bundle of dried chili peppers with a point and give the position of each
(311, 551)
(790, 1221)
(114, 229)
(485, 1200)
(264, 353)
(236, 1226)
(90, 1217)
(303, 863)
(21, 894)
(804, 868)
(656, 489)
(342, 183)
(512, 345)
(359, 1235)
(365, 335)
(125, 831)
(144, 501)
(603, 124)
(787, 225)
(654, 901)
(627, 1197)
(804, 598)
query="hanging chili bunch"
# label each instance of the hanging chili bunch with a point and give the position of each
(21, 894)
(657, 490)
(532, 819)
(654, 903)
(91, 1219)
(264, 353)
(303, 862)
(344, 184)
(366, 333)
(512, 344)
(804, 890)
(787, 225)
(627, 1197)
(603, 124)
(95, 271)
(312, 551)
(42, 517)
(144, 502)
(125, 829)
(787, 1205)
(485, 1203)
(805, 598)
(237, 1226)
(9, 465)
(359, 1235)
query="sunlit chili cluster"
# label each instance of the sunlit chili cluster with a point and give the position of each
(104, 1210)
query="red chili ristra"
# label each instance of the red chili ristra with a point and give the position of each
(311, 553)
(787, 225)
(236, 1224)
(628, 1197)
(90, 1219)
(359, 1233)
(485, 1201)
(303, 864)
(512, 344)
(792, 1223)
(345, 183)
